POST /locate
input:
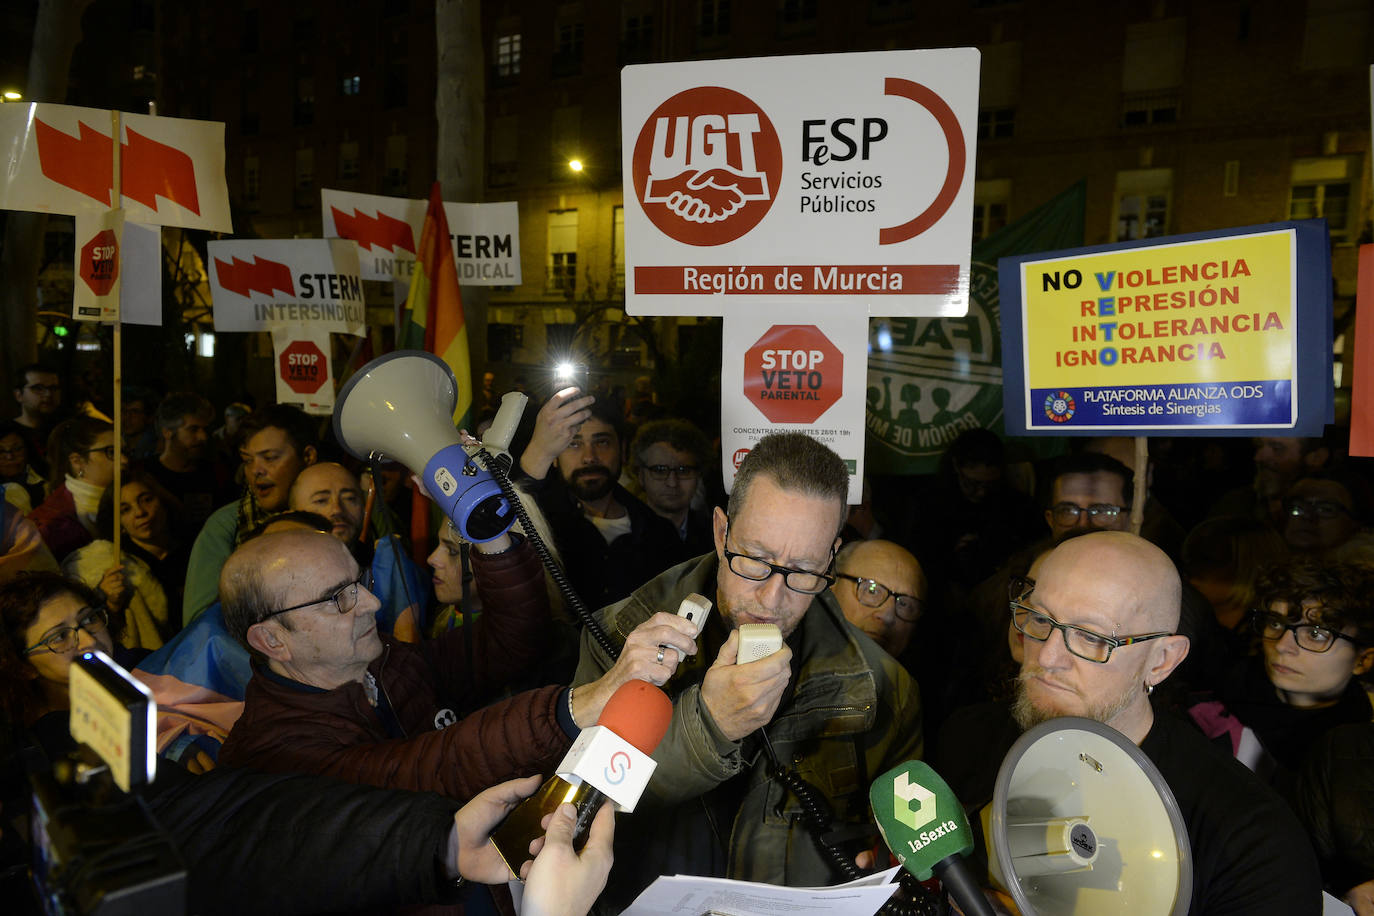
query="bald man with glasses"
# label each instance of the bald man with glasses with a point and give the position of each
(830, 706)
(1099, 624)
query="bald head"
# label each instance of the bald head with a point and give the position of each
(1136, 582)
(885, 566)
(271, 572)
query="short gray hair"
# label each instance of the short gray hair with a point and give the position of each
(795, 462)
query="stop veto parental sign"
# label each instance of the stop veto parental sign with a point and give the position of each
(98, 263)
(303, 367)
(793, 373)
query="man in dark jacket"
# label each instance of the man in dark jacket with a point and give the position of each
(335, 698)
(1113, 599)
(611, 542)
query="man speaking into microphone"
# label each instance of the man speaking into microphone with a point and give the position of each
(835, 708)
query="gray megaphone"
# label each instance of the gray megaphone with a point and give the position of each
(400, 407)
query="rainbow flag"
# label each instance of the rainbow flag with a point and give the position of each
(434, 308)
(434, 322)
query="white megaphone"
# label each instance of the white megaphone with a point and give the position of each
(400, 407)
(1082, 822)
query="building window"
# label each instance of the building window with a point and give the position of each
(791, 11)
(251, 30)
(252, 180)
(351, 85)
(891, 10)
(303, 30)
(303, 111)
(1152, 72)
(617, 253)
(1325, 187)
(305, 178)
(503, 162)
(567, 49)
(395, 90)
(397, 176)
(1143, 199)
(713, 18)
(990, 200)
(348, 159)
(508, 56)
(637, 38)
(996, 123)
(562, 264)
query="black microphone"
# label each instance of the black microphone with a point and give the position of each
(926, 828)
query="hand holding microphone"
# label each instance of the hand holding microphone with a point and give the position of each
(609, 760)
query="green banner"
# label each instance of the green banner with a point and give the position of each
(929, 379)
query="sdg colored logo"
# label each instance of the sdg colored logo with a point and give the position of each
(1059, 407)
(707, 166)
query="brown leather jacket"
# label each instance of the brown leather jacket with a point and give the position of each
(338, 733)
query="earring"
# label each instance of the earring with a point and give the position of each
(1149, 689)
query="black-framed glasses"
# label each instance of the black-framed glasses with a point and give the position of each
(92, 619)
(872, 593)
(1310, 636)
(1086, 644)
(1315, 508)
(1098, 513)
(756, 570)
(107, 450)
(681, 471)
(345, 598)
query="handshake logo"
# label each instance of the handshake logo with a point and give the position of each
(707, 165)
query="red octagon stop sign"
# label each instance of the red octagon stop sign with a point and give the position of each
(303, 367)
(99, 262)
(793, 374)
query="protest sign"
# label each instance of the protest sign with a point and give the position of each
(1214, 333)
(839, 179)
(486, 237)
(303, 282)
(304, 377)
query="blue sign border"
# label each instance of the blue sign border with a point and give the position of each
(1316, 405)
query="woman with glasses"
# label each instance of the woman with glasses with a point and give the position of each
(24, 486)
(82, 454)
(1315, 626)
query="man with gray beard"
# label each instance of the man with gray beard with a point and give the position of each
(1098, 631)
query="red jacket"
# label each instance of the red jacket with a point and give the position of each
(338, 733)
(56, 519)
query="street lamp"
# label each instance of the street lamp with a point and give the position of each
(575, 164)
(11, 95)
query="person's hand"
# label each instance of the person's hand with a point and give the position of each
(1361, 898)
(560, 882)
(469, 844)
(638, 659)
(741, 698)
(554, 428)
(115, 587)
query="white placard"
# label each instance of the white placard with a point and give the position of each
(58, 159)
(305, 378)
(486, 237)
(97, 276)
(801, 369)
(304, 282)
(841, 179)
(137, 294)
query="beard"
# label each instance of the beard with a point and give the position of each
(597, 487)
(1028, 715)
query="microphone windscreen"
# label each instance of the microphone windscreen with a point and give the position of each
(639, 713)
(920, 819)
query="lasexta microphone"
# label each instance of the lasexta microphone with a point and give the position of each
(610, 760)
(926, 828)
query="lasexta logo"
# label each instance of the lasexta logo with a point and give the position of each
(707, 165)
(904, 792)
(261, 276)
(618, 768)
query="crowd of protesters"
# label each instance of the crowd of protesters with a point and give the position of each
(447, 666)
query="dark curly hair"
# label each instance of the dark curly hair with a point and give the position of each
(21, 598)
(1343, 590)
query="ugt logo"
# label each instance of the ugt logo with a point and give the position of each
(707, 165)
(904, 792)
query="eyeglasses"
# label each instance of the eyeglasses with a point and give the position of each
(681, 472)
(108, 451)
(1310, 636)
(872, 593)
(93, 620)
(1098, 513)
(1315, 508)
(43, 389)
(1087, 645)
(756, 570)
(345, 599)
